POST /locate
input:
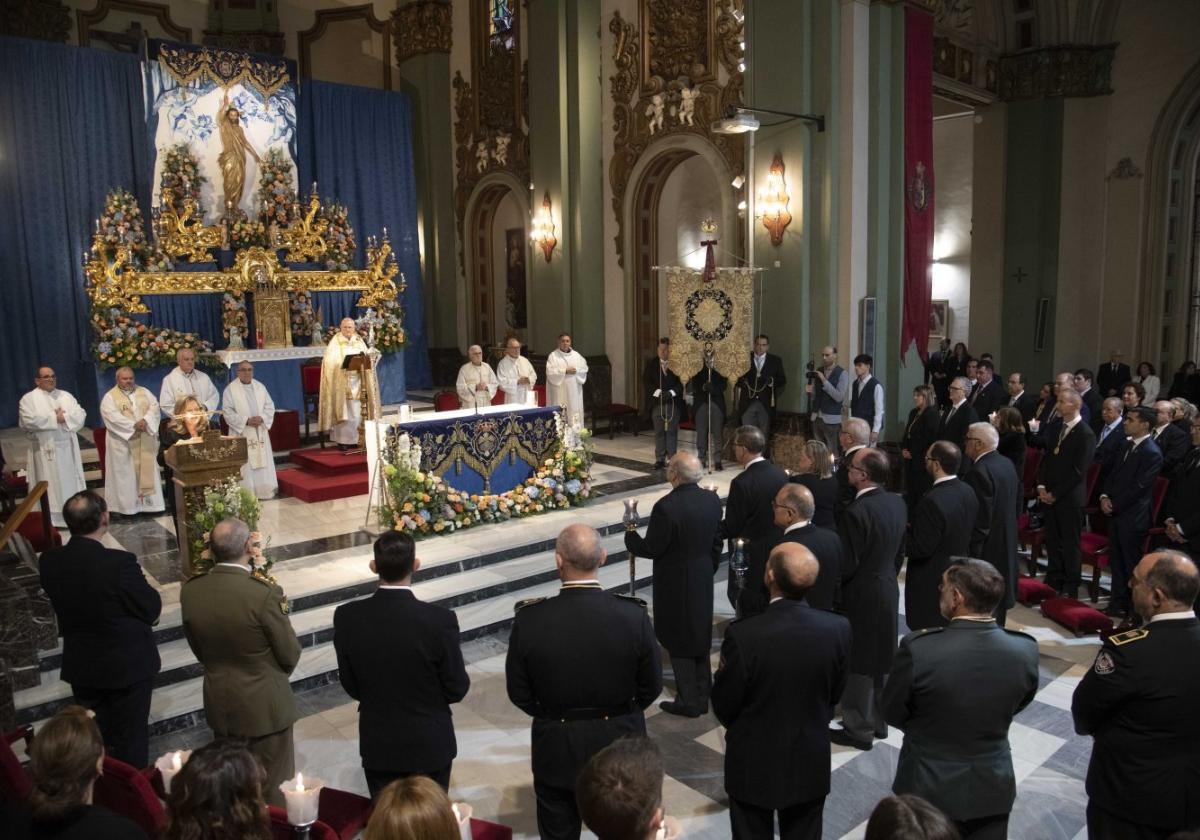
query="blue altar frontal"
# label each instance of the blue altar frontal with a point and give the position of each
(491, 451)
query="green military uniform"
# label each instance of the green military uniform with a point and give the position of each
(237, 626)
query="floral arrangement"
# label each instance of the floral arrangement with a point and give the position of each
(233, 313)
(121, 223)
(224, 500)
(275, 191)
(119, 341)
(181, 175)
(303, 318)
(246, 233)
(339, 237)
(388, 322)
(423, 504)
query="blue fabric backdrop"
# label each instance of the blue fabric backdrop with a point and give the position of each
(73, 126)
(356, 143)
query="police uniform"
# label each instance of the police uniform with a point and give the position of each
(1139, 702)
(237, 626)
(583, 664)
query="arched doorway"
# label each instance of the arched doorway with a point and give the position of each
(677, 186)
(497, 255)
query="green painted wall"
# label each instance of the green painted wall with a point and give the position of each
(1031, 232)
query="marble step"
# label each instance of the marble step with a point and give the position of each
(179, 704)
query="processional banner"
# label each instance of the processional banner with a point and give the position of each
(710, 310)
(234, 112)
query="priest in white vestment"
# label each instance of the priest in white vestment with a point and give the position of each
(516, 374)
(51, 419)
(477, 381)
(132, 483)
(340, 409)
(566, 371)
(186, 381)
(249, 413)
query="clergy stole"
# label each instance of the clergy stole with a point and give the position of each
(245, 400)
(918, 179)
(142, 446)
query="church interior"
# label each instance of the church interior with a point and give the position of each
(266, 185)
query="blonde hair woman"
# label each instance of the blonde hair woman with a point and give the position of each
(412, 808)
(815, 471)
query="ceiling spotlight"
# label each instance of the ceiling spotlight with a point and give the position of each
(737, 123)
(738, 181)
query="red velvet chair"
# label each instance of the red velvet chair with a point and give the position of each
(1033, 462)
(310, 389)
(280, 829)
(346, 813)
(499, 398)
(1035, 538)
(126, 791)
(626, 416)
(32, 529)
(100, 438)
(445, 401)
(540, 390)
(1099, 558)
(15, 784)
(484, 830)
(1076, 616)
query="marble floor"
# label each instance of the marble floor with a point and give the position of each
(321, 555)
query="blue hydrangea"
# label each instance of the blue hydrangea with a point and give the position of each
(550, 483)
(574, 486)
(532, 492)
(104, 347)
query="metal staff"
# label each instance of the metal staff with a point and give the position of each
(631, 521)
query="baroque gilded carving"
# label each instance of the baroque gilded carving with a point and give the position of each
(688, 41)
(1057, 71)
(46, 20)
(423, 26)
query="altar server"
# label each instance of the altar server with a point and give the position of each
(516, 374)
(51, 418)
(132, 483)
(249, 413)
(341, 390)
(184, 381)
(566, 371)
(477, 381)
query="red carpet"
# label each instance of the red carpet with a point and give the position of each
(324, 474)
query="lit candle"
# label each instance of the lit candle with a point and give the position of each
(97, 225)
(462, 816)
(385, 233)
(302, 797)
(169, 764)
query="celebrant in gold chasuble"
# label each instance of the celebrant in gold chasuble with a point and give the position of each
(343, 392)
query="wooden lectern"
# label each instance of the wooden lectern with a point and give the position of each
(195, 465)
(360, 363)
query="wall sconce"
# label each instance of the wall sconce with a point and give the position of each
(772, 203)
(542, 233)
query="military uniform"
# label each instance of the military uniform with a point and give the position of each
(1139, 701)
(954, 691)
(583, 665)
(237, 626)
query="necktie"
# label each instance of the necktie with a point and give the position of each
(1129, 451)
(1104, 433)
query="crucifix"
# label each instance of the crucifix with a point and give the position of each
(1020, 275)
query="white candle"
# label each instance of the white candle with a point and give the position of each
(531, 398)
(168, 764)
(462, 815)
(303, 796)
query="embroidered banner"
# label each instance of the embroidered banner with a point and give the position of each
(918, 179)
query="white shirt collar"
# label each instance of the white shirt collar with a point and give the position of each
(241, 566)
(1158, 429)
(776, 598)
(1138, 440)
(753, 462)
(800, 524)
(851, 451)
(866, 490)
(1071, 423)
(1172, 616)
(391, 586)
(1018, 395)
(937, 481)
(865, 377)
(958, 404)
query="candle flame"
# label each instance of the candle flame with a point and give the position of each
(299, 782)
(176, 762)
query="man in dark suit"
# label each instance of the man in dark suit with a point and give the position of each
(401, 660)
(1111, 439)
(683, 541)
(584, 665)
(998, 488)
(1126, 497)
(237, 626)
(794, 508)
(781, 674)
(989, 395)
(1062, 490)
(959, 415)
(1171, 440)
(662, 402)
(708, 386)
(941, 529)
(854, 435)
(105, 610)
(955, 724)
(1181, 508)
(1091, 398)
(1112, 376)
(749, 516)
(872, 531)
(760, 387)
(935, 371)
(1138, 702)
(1019, 399)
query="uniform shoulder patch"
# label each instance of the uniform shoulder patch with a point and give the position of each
(928, 631)
(528, 602)
(632, 598)
(1020, 633)
(1129, 636)
(1104, 663)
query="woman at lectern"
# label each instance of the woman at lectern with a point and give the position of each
(189, 420)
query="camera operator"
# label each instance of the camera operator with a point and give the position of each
(827, 387)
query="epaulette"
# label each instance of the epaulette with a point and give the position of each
(1018, 633)
(926, 631)
(1129, 636)
(635, 599)
(527, 602)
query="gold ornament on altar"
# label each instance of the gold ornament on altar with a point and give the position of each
(304, 236)
(181, 234)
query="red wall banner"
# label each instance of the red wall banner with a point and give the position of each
(918, 179)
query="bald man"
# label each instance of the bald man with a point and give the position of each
(477, 382)
(184, 381)
(1138, 701)
(683, 539)
(794, 508)
(584, 665)
(781, 673)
